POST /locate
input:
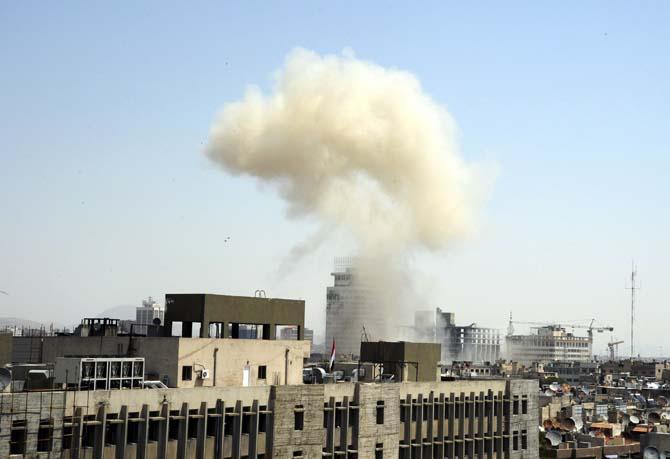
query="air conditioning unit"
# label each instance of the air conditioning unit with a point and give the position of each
(204, 374)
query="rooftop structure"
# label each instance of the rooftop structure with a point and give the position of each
(405, 361)
(222, 315)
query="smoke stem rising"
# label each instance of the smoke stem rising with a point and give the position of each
(358, 146)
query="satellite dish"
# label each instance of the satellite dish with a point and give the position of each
(554, 438)
(5, 378)
(578, 423)
(650, 453)
(549, 393)
(662, 401)
(635, 420)
(204, 374)
(157, 321)
(554, 386)
(665, 416)
(654, 417)
(569, 423)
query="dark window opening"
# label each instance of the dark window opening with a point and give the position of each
(246, 420)
(297, 453)
(299, 418)
(262, 371)
(515, 440)
(44, 435)
(186, 373)
(88, 436)
(380, 412)
(515, 405)
(524, 439)
(228, 427)
(110, 433)
(17, 439)
(154, 430)
(133, 432)
(524, 405)
(193, 427)
(379, 451)
(262, 419)
(338, 415)
(173, 429)
(67, 434)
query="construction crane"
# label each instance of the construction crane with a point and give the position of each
(589, 327)
(613, 348)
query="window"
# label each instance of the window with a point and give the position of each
(262, 371)
(524, 439)
(297, 453)
(44, 435)
(515, 405)
(17, 438)
(379, 451)
(524, 405)
(262, 419)
(515, 440)
(186, 373)
(299, 419)
(380, 411)
(338, 415)
(246, 420)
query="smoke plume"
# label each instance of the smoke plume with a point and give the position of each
(356, 145)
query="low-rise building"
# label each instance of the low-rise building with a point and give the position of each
(575, 373)
(492, 418)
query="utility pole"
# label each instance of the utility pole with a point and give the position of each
(633, 288)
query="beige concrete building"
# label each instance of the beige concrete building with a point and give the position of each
(550, 343)
(183, 362)
(482, 419)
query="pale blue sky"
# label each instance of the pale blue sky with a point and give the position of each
(106, 197)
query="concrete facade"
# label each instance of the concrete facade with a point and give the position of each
(549, 344)
(225, 360)
(482, 419)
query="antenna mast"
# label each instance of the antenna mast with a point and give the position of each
(633, 287)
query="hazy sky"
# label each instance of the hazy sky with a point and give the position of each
(106, 196)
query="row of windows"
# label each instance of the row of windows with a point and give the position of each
(518, 406)
(187, 372)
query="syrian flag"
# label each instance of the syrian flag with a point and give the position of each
(332, 357)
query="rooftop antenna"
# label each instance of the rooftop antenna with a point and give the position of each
(633, 288)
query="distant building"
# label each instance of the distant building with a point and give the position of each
(459, 342)
(637, 368)
(550, 343)
(292, 333)
(575, 373)
(350, 309)
(146, 314)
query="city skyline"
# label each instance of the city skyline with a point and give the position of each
(107, 196)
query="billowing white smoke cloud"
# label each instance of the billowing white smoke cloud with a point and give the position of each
(357, 145)
(360, 147)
